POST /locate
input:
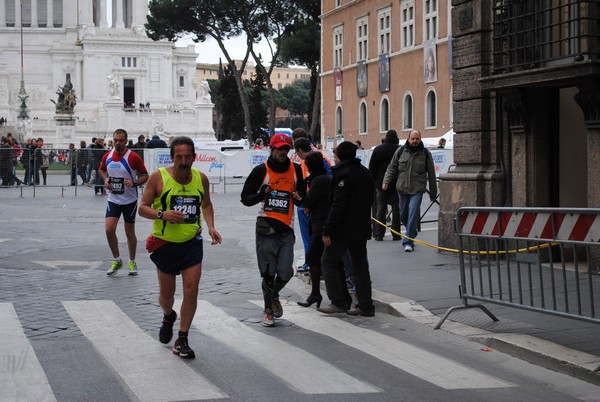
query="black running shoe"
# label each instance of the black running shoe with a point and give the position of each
(182, 349)
(166, 329)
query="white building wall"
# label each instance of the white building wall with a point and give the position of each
(90, 51)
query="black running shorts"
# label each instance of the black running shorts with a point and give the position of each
(128, 210)
(172, 258)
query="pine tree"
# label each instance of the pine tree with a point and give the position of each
(259, 115)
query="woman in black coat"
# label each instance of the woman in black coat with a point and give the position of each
(315, 205)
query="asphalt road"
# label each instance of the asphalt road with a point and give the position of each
(70, 333)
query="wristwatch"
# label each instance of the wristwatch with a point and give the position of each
(159, 215)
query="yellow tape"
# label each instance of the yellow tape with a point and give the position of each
(453, 250)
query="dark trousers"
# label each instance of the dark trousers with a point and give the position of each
(27, 175)
(81, 170)
(382, 200)
(73, 175)
(335, 277)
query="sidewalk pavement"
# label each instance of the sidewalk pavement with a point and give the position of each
(422, 285)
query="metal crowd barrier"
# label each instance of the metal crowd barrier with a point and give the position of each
(545, 260)
(58, 173)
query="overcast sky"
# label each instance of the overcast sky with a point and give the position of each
(209, 51)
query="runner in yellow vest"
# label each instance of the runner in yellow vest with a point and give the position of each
(176, 197)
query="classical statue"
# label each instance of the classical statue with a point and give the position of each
(66, 98)
(113, 86)
(204, 92)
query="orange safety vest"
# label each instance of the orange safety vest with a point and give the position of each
(278, 203)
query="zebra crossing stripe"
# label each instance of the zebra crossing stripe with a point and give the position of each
(148, 368)
(22, 378)
(428, 366)
(293, 365)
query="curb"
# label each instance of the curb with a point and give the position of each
(534, 350)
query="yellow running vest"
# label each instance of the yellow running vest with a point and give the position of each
(186, 198)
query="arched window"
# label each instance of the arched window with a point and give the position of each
(407, 118)
(362, 118)
(338, 121)
(384, 115)
(431, 110)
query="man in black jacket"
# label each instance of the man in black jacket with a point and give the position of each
(156, 142)
(380, 159)
(347, 228)
(277, 185)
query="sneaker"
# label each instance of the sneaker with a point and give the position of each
(408, 248)
(132, 268)
(115, 266)
(182, 349)
(277, 308)
(303, 268)
(166, 329)
(267, 318)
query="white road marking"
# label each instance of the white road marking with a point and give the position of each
(148, 368)
(22, 378)
(293, 365)
(31, 239)
(428, 366)
(58, 264)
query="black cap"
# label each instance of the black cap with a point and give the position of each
(346, 150)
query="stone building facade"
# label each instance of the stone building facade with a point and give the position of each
(526, 106)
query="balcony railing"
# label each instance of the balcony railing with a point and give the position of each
(531, 34)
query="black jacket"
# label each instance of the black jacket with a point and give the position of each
(156, 142)
(380, 159)
(351, 196)
(317, 202)
(253, 191)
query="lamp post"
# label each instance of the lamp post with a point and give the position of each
(23, 117)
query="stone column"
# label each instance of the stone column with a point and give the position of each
(34, 14)
(588, 100)
(139, 12)
(514, 106)
(2, 14)
(119, 24)
(69, 14)
(102, 5)
(50, 13)
(477, 178)
(86, 15)
(17, 13)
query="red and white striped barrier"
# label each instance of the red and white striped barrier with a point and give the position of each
(559, 225)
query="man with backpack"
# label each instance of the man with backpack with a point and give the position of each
(411, 168)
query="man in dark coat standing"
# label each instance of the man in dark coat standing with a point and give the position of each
(380, 159)
(347, 229)
(156, 142)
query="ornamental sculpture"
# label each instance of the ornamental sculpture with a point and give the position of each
(66, 98)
